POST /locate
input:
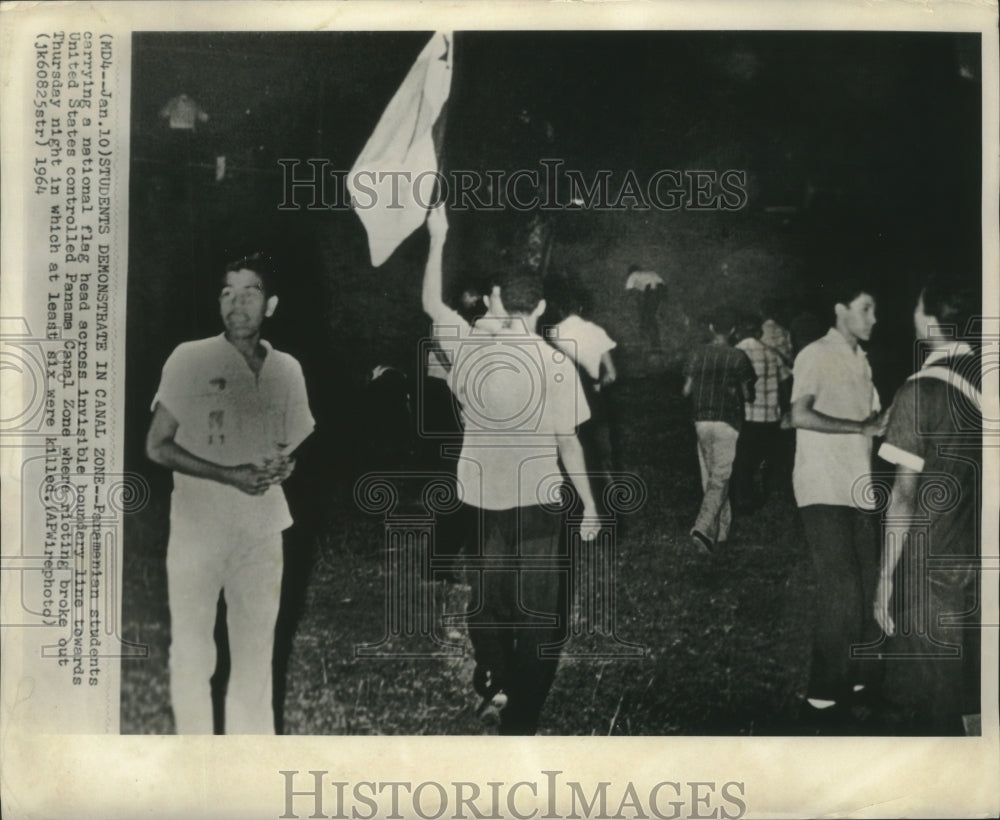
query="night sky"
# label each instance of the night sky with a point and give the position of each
(868, 145)
(874, 111)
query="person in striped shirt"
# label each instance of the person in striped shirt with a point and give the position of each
(760, 439)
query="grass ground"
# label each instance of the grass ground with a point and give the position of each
(726, 636)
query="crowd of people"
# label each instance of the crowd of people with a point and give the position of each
(747, 399)
(519, 375)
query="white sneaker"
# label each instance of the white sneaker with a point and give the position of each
(489, 710)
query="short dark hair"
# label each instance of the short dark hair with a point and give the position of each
(261, 264)
(747, 327)
(955, 301)
(521, 291)
(775, 308)
(565, 294)
(843, 290)
(720, 320)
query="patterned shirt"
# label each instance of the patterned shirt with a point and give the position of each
(717, 373)
(771, 371)
(778, 339)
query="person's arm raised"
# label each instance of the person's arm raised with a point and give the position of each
(437, 227)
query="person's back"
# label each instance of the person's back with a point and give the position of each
(584, 341)
(652, 289)
(590, 347)
(718, 380)
(521, 403)
(516, 397)
(716, 372)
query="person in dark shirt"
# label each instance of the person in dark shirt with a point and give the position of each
(927, 598)
(719, 379)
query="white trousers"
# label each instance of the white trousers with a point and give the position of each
(247, 567)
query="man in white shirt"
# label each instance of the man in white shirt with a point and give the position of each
(590, 347)
(228, 414)
(521, 404)
(835, 412)
(651, 289)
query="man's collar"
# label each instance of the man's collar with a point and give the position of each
(222, 338)
(515, 326)
(835, 334)
(955, 349)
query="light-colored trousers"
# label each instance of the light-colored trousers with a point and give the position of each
(247, 567)
(716, 453)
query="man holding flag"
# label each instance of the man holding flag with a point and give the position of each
(522, 404)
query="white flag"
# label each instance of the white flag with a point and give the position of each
(392, 181)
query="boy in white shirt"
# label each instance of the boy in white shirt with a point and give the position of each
(835, 412)
(521, 404)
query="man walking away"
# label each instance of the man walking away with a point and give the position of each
(719, 380)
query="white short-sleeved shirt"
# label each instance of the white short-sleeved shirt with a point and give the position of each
(229, 416)
(834, 468)
(583, 342)
(643, 280)
(517, 394)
